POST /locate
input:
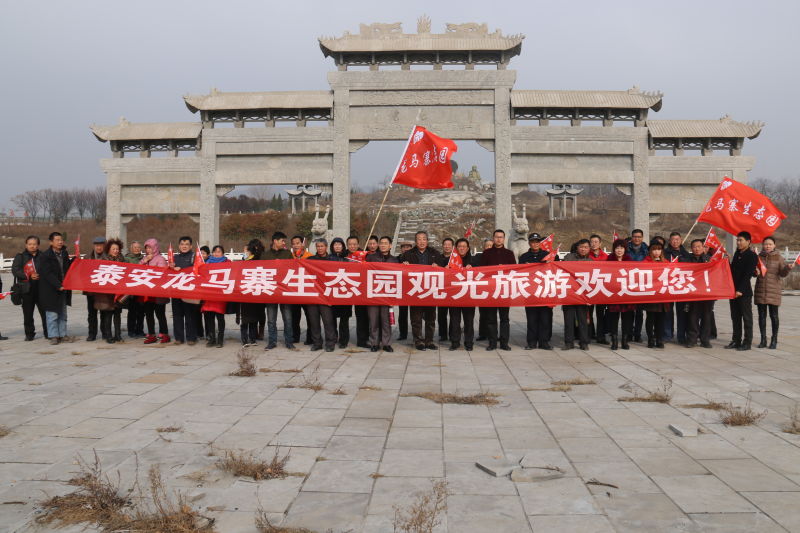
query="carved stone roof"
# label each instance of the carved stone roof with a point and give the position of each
(380, 37)
(217, 100)
(723, 127)
(631, 99)
(141, 131)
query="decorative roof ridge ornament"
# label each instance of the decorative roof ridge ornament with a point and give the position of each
(423, 24)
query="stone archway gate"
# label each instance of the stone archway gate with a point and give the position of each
(537, 136)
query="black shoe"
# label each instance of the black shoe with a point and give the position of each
(614, 345)
(388, 348)
(289, 346)
(329, 349)
(91, 338)
(362, 345)
(431, 346)
(651, 343)
(491, 347)
(373, 349)
(732, 346)
(315, 347)
(211, 342)
(743, 348)
(342, 345)
(453, 347)
(569, 346)
(504, 346)
(402, 337)
(468, 347)
(584, 347)
(660, 345)
(529, 347)
(763, 343)
(270, 346)
(772, 343)
(28, 338)
(637, 338)
(705, 344)
(546, 346)
(420, 346)
(625, 345)
(110, 340)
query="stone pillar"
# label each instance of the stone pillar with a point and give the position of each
(502, 159)
(340, 199)
(113, 205)
(640, 195)
(123, 230)
(209, 204)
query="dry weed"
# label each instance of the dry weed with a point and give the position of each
(246, 464)
(4, 431)
(793, 426)
(246, 360)
(575, 381)
(376, 475)
(168, 429)
(99, 501)
(660, 395)
(740, 416)
(76, 352)
(339, 391)
(479, 398)
(80, 364)
(309, 382)
(264, 525)
(369, 387)
(423, 514)
(287, 371)
(556, 388)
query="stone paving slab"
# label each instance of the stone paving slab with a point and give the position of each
(357, 456)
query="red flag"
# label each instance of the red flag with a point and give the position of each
(553, 254)
(29, 269)
(455, 261)
(712, 241)
(170, 255)
(719, 254)
(546, 244)
(4, 294)
(425, 164)
(762, 268)
(78, 247)
(198, 260)
(736, 207)
(359, 256)
(796, 261)
(616, 237)
(468, 233)
(674, 259)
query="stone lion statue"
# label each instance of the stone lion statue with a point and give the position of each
(519, 242)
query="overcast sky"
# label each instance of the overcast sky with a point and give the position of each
(65, 65)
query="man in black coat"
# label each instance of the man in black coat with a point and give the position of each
(539, 318)
(498, 254)
(55, 263)
(698, 321)
(743, 267)
(28, 280)
(422, 254)
(184, 314)
(320, 312)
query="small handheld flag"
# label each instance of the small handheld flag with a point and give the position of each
(762, 268)
(547, 243)
(198, 260)
(170, 255)
(78, 247)
(29, 269)
(455, 261)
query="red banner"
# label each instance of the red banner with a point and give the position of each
(736, 207)
(426, 161)
(353, 283)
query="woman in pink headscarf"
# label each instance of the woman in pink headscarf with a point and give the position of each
(154, 307)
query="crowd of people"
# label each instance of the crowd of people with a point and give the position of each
(39, 275)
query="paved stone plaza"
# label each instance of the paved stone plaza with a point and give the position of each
(371, 449)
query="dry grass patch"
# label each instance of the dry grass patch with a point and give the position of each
(168, 429)
(354, 350)
(309, 382)
(730, 415)
(4, 431)
(76, 352)
(47, 352)
(246, 464)
(793, 426)
(424, 513)
(98, 500)
(376, 475)
(287, 371)
(711, 405)
(80, 364)
(246, 361)
(479, 398)
(339, 391)
(575, 381)
(662, 394)
(556, 388)
(264, 525)
(369, 387)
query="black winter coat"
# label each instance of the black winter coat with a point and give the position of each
(51, 277)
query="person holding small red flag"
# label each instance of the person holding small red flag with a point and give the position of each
(25, 269)
(743, 268)
(767, 293)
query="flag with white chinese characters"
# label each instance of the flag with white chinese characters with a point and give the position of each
(426, 161)
(712, 241)
(736, 207)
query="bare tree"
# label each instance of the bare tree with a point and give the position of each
(82, 201)
(61, 204)
(48, 202)
(30, 202)
(97, 204)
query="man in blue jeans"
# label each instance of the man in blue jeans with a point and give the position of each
(53, 297)
(278, 251)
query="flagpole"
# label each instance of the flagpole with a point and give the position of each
(389, 187)
(690, 229)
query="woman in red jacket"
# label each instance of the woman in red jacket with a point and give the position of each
(619, 253)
